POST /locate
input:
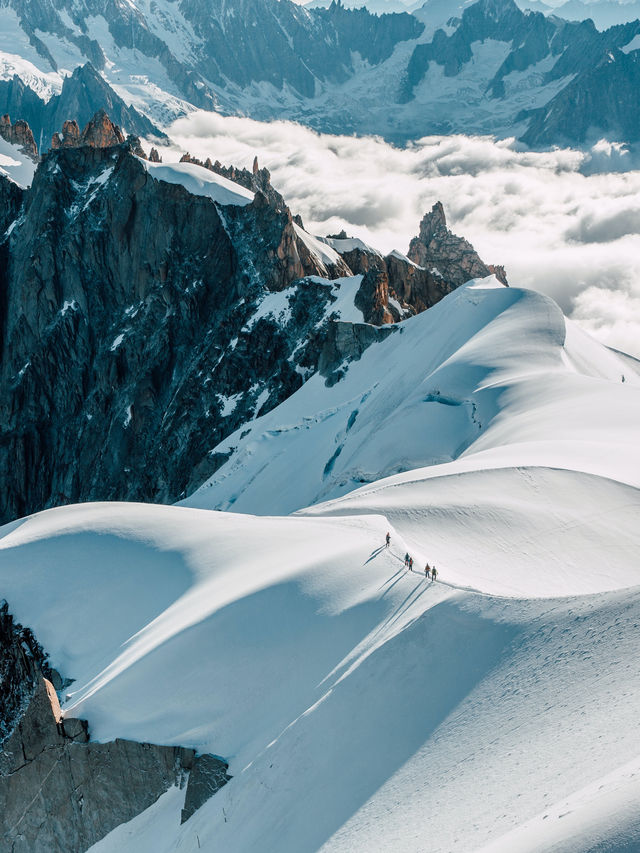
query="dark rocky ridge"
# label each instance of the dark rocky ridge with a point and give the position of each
(129, 339)
(233, 49)
(602, 99)
(236, 43)
(59, 791)
(395, 287)
(22, 662)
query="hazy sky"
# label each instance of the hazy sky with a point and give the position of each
(556, 229)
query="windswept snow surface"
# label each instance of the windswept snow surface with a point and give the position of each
(361, 707)
(200, 181)
(321, 250)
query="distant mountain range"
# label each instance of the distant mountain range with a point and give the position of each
(485, 67)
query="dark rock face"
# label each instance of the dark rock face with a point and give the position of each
(22, 660)
(140, 325)
(83, 94)
(602, 100)
(11, 196)
(346, 342)
(395, 287)
(208, 774)
(58, 790)
(124, 318)
(244, 42)
(61, 792)
(602, 95)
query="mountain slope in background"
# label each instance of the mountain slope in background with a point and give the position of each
(484, 67)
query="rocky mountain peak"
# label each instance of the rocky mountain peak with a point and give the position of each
(19, 134)
(433, 222)
(99, 132)
(443, 253)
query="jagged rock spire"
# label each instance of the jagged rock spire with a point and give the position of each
(100, 132)
(452, 257)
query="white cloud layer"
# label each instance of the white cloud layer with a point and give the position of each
(560, 221)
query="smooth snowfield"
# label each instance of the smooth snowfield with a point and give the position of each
(361, 707)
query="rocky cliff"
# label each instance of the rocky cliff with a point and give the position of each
(396, 286)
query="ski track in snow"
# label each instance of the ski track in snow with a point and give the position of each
(361, 706)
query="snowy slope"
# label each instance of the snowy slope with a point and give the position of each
(489, 378)
(360, 706)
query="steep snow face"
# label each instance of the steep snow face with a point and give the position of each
(489, 378)
(200, 181)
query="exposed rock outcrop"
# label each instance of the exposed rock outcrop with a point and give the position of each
(19, 134)
(346, 342)
(59, 791)
(11, 197)
(142, 324)
(99, 132)
(396, 286)
(445, 254)
(22, 660)
(126, 309)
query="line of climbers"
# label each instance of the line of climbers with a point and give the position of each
(408, 561)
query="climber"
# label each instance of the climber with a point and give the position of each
(388, 539)
(406, 559)
(410, 564)
(434, 573)
(427, 569)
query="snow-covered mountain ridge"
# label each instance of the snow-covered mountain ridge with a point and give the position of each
(341, 688)
(492, 377)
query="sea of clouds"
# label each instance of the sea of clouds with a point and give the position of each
(563, 222)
